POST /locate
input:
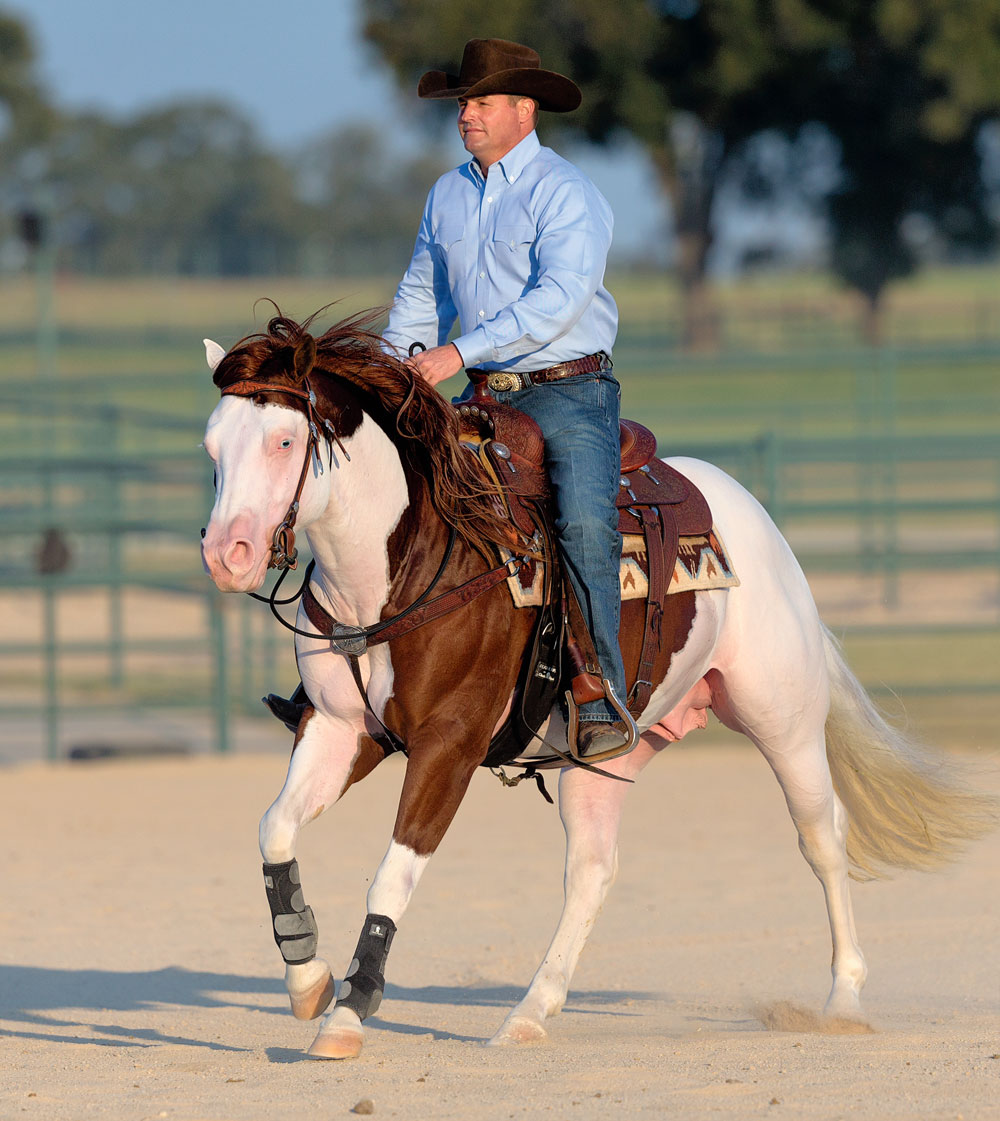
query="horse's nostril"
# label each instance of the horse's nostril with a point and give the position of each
(203, 532)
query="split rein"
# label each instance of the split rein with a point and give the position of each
(354, 641)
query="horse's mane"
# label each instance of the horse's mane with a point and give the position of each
(425, 425)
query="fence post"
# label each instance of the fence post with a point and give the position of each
(50, 638)
(771, 456)
(887, 368)
(221, 675)
(51, 648)
(112, 418)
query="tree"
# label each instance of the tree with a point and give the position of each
(187, 188)
(365, 217)
(23, 105)
(903, 85)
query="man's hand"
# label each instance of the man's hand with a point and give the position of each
(436, 364)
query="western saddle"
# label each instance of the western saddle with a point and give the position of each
(654, 501)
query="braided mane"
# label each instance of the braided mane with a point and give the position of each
(424, 425)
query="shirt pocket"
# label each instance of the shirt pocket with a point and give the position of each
(516, 238)
(448, 240)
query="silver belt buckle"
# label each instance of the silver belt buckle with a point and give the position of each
(500, 381)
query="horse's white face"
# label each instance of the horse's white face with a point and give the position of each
(258, 452)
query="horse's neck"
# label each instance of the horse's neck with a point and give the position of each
(369, 496)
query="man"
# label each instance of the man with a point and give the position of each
(514, 244)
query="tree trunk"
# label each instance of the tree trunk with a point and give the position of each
(872, 318)
(699, 318)
(688, 166)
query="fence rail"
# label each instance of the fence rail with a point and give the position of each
(106, 609)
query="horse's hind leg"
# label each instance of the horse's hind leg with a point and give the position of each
(591, 809)
(797, 755)
(821, 822)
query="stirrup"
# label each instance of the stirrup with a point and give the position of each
(573, 727)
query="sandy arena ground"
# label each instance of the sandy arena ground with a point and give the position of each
(139, 979)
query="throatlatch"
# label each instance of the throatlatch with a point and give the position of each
(295, 930)
(362, 988)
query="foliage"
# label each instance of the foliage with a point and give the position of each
(23, 105)
(903, 86)
(191, 189)
(185, 189)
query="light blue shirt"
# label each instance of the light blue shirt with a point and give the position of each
(518, 257)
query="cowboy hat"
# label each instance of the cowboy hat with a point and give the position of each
(498, 66)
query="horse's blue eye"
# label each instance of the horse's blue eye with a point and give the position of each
(286, 443)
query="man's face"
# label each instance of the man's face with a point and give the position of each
(491, 126)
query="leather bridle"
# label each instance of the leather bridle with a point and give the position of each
(284, 555)
(344, 638)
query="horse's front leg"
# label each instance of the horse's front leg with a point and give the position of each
(329, 754)
(590, 807)
(435, 783)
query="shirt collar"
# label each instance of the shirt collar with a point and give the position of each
(516, 160)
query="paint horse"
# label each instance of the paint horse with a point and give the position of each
(342, 439)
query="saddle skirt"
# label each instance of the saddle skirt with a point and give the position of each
(660, 511)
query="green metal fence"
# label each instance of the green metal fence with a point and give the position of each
(869, 464)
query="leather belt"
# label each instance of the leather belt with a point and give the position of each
(505, 381)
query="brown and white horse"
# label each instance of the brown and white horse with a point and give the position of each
(371, 455)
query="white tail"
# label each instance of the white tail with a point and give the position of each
(907, 807)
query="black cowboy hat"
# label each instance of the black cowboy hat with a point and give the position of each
(498, 66)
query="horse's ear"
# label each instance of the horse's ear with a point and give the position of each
(214, 353)
(304, 357)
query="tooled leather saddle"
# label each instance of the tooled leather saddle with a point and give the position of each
(654, 501)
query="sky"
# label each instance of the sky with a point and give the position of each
(298, 68)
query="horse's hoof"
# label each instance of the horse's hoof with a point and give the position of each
(337, 1043)
(519, 1029)
(314, 1001)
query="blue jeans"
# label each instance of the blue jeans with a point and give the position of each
(578, 417)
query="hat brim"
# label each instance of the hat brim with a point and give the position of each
(554, 92)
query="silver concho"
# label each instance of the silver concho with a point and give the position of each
(348, 640)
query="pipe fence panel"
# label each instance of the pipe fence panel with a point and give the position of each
(874, 469)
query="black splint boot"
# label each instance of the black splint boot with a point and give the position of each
(289, 711)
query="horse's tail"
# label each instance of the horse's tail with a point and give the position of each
(907, 807)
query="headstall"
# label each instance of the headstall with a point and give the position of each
(284, 555)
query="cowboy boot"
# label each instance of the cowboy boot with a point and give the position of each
(596, 737)
(289, 711)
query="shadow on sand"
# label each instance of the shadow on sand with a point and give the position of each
(35, 1001)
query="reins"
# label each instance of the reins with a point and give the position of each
(348, 639)
(353, 641)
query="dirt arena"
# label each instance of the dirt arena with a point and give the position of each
(139, 979)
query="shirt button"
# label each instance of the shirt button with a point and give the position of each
(490, 199)
(482, 276)
(482, 315)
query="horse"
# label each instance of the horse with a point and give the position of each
(334, 435)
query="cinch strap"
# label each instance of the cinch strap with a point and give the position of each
(362, 988)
